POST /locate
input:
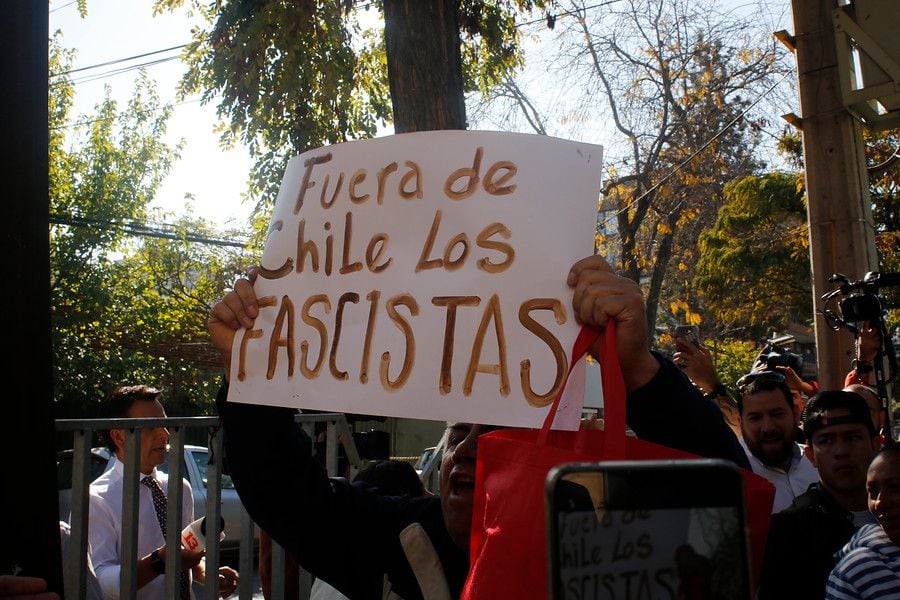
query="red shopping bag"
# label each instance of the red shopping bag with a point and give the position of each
(508, 556)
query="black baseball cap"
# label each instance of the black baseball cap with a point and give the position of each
(815, 414)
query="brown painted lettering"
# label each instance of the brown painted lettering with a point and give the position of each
(357, 178)
(403, 325)
(288, 264)
(252, 334)
(282, 341)
(497, 186)
(559, 354)
(306, 248)
(372, 297)
(306, 184)
(483, 241)
(337, 190)
(329, 249)
(413, 173)
(449, 263)
(434, 263)
(278, 273)
(491, 312)
(346, 266)
(374, 250)
(451, 302)
(266, 301)
(470, 172)
(249, 334)
(382, 176)
(338, 323)
(323, 335)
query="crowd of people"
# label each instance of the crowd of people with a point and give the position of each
(834, 533)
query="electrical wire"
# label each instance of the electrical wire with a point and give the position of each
(705, 145)
(66, 5)
(138, 113)
(138, 229)
(181, 46)
(117, 61)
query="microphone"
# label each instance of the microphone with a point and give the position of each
(193, 537)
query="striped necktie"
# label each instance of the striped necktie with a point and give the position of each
(160, 503)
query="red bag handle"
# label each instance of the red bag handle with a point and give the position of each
(613, 389)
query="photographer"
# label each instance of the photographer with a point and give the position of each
(868, 351)
(776, 359)
(767, 430)
(860, 307)
(697, 363)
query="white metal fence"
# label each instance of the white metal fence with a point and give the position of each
(76, 572)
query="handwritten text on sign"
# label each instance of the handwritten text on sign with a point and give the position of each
(623, 554)
(423, 275)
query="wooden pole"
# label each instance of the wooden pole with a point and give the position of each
(841, 230)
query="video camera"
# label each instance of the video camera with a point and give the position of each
(865, 301)
(779, 357)
(862, 300)
(775, 354)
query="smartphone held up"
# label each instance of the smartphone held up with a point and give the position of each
(687, 333)
(647, 529)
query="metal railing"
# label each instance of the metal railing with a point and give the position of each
(76, 572)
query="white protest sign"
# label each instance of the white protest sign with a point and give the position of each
(423, 275)
(623, 554)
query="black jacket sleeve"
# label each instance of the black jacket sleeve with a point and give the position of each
(340, 532)
(671, 411)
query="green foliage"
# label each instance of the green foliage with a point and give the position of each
(291, 76)
(123, 310)
(733, 358)
(754, 265)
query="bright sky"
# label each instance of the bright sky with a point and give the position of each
(117, 29)
(216, 178)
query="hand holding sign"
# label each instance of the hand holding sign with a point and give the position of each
(411, 275)
(600, 295)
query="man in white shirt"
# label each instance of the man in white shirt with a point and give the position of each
(766, 410)
(105, 520)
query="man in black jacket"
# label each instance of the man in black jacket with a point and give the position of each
(350, 537)
(804, 537)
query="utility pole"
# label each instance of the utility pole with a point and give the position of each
(841, 230)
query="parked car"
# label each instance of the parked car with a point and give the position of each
(424, 459)
(194, 469)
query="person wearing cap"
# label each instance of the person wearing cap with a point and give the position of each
(766, 410)
(804, 537)
(869, 564)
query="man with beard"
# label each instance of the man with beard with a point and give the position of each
(767, 427)
(350, 537)
(804, 537)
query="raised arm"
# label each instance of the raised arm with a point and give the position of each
(663, 406)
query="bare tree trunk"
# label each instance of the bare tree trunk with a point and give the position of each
(422, 43)
(658, 275)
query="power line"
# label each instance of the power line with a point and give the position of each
(53, 10)
(137, 229)
(113, 118)
(119, 71)
(551, 17)
(705, 145)
(116, 61)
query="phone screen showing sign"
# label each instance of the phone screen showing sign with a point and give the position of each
(620, 545)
